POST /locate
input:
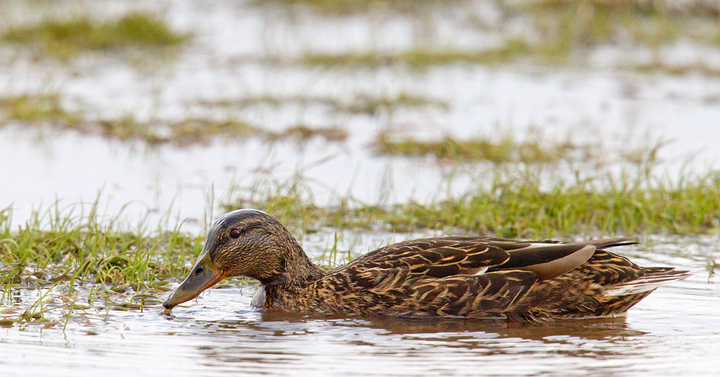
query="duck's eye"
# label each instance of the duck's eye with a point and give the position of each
(199, 270)
(235, 233)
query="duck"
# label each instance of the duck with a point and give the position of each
(452, 276)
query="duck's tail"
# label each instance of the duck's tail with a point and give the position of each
(612, 242)
(652, 278)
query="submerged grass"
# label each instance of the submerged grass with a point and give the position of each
(558, 30)
(65, 39)
(344, 7)
(675, 69)
(36, 109)
(505, 150)
(303, 133)
(201, 131)
(422, 57)
(365, 104)
(360, 104)
(567, 26)
(41, 110)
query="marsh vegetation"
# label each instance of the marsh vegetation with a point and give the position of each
(434, 108)
(64, 39)
(555, 33)
(45, 111)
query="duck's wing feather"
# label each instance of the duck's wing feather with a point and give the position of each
(449, 256)
(549, 259)
(492, 277)
(402, 292)
(432, 257)
(465, 276)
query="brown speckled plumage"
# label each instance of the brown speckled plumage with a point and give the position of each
(472, 277)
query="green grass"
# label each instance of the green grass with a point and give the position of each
(36, 109)
(193, 131)
(370, 105)
(504, 150)
(676, 70)
(302, 132)
(564, 30)
(67, 38)
(57, 245)
(422, 57)
(569, 26)
(345, 7)
(513, 205)
(81, 262)
(68, 251)
(43, 110)
(360, 104)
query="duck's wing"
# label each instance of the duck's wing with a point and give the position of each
(492, 277)
(433, 257)
(449, 256)
(427, 277)
(449, 276)
(550, 259)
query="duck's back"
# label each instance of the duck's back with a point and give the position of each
(477, 277)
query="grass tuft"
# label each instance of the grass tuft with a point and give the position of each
(36, 109)
(561, 30)
(504, 150)
(41, 110)
(512, 205)
(66, 39)
(421, 57)
(303, 133)
(59, 245)
(71, 256)
(370, 105)
(345, 7)
(360, 104)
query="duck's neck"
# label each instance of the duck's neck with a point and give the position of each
(298, 270)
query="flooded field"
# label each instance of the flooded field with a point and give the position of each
(364, 105)
(245, 64)
(672, 332)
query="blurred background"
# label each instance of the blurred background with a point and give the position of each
(181, 108)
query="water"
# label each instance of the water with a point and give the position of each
(596, 103)
(672, 332)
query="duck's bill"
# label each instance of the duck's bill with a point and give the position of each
(203, 276)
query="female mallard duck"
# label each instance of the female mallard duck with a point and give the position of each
(471, 277)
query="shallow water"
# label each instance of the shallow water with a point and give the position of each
(594, 103)
(672, 332)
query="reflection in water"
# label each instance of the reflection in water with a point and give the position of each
(295, 339)
(592, 328)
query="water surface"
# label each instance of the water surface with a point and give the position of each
(597, 103)
(672, 332)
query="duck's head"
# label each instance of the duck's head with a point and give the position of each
(245, 242)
